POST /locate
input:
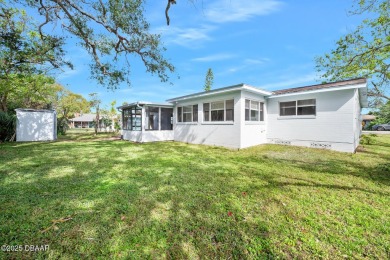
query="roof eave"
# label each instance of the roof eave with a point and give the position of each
(355, 86)
(238, 87)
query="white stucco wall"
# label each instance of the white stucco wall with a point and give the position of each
(37, 125)
(333, 124)
(225, 134)
(357, 119)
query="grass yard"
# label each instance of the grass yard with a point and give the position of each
(100, 198)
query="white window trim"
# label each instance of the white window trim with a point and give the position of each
(182, 115)
(296, 109)
(257, 122)
(224, 122)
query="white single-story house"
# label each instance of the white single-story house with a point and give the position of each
(36, 125)
(320, 116)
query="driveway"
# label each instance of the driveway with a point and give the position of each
(377, 132)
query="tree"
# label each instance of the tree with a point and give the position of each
(95, 103)
(69, 103)
(27, 91)
(365, 52)
(110, 31)
(24, 59)
(209, 80)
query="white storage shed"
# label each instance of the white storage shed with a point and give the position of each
(36, 125)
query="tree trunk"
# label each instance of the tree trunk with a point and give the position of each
(3, 103)
(97, 120)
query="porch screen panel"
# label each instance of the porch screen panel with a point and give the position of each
(152, 116)
(166, 118)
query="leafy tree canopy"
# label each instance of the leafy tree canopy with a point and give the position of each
(111, 32)
(68, 104)
(364, 52)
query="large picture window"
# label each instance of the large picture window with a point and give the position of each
(254, 110)
(187, 113)
(298, 107)
(218, 111)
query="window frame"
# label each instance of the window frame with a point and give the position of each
(209, 119)
(299, 106)
(260, 110)
(194, 114)
(132, 125)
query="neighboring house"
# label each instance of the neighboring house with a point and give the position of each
(321, 116)
(82, 121)
(87, 121)
(35, 125)
(367, 120)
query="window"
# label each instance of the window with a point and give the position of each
(132, 118)
(187, 113)
(179, 114)
(230, 110)
(218, 111)
(299, 107)
(306, 107)
(206, 112)
(254, 110)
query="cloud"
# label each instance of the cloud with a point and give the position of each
(294, 82)
(187, 37)
(223, 11)
(215, 57)
(256, 61)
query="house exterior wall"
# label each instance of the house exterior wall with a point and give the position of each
(332, 127)
(40, 125)
(252, 133)
(357, 119)
(225, 134)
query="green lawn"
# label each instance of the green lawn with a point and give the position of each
(116, 199)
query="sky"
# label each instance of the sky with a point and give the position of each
(270, 44)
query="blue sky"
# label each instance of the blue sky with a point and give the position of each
(265, 43)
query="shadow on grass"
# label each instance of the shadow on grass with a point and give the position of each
(126, 201)
(165, 200)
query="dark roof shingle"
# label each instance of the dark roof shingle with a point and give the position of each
(321, 86)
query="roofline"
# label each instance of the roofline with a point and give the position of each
(143, 103)
(34, 110)
(217, 91)
(352, 86)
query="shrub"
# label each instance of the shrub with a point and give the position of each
(7, 126)
(368, 139)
